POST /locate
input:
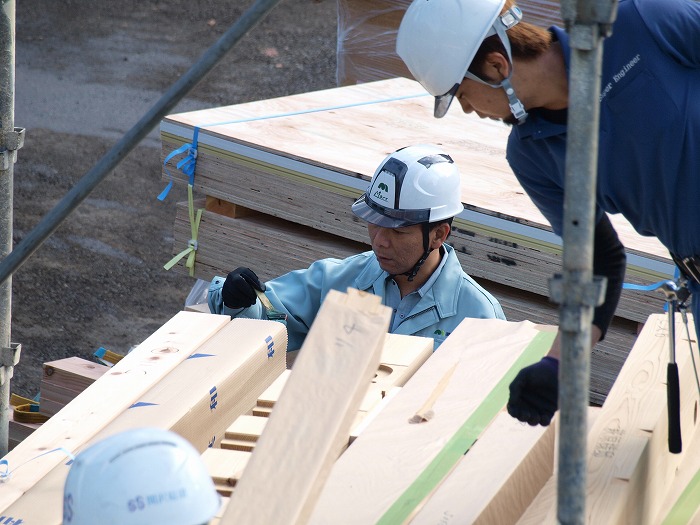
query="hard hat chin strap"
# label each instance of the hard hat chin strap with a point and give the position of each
(500, 26)
(426, 252)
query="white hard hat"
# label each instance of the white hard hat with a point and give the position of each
(139, 476)
(438, 40)
(414, 185)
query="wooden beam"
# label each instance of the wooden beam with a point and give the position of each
(339, 358)
(502, 473)
(391, 457)
(77, 422)
(225, 467)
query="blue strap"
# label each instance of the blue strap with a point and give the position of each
(643, 288)
(651, 287)
(186, 165)
(6, 473)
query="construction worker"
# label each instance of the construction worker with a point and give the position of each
(141, 476)
(497, 66)
(408, 206)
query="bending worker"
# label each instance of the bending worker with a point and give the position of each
(482, 54)
(408, 206)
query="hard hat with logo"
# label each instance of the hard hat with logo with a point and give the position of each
(414, 185)
(437, 40)
(139, 476)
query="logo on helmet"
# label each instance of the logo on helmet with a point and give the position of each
(378, 193)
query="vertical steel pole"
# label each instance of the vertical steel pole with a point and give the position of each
(7, 153)
(577, 291)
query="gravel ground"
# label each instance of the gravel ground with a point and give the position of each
(86, 71)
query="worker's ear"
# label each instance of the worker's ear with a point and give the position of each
(496, 67)
(439, 234)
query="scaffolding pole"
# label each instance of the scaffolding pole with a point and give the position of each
(577, 291)
(13, 259)
(11, 139)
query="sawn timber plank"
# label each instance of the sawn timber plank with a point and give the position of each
(502, 473)
(335, 365)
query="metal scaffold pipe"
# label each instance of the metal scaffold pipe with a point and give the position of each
(577, 290)
(11, 140)
(114, 156)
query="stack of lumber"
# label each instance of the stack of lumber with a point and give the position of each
(423, 428)
(199, 375)
(64, 379)
(401, 357)
(61, 382)
(367, 36)
(278, 178)
(370, 427)
(18, 431)
(194, 375)
(400, 471)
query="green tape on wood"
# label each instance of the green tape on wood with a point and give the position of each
(687, 504)
(465, 437)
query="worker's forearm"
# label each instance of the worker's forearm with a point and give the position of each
(555, 350)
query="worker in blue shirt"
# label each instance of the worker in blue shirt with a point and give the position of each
(408, 206)
(497, 66)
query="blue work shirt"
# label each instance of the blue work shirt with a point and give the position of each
(649, 136)
(453, 296)
(401, 307)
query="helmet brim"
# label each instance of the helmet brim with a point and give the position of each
(442, 102)
(362, 210)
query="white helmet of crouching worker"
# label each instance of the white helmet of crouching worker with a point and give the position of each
(418, 184)
(139, 476)
(437, 40)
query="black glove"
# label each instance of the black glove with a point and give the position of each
(534, 392)
(239, 288)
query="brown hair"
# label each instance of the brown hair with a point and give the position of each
(527, 41)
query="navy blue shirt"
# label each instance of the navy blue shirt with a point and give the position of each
(649, 142)
(649, 137)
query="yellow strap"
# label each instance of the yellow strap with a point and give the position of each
(191, 249)
(26, 410)
(112, 357)
(16, 399)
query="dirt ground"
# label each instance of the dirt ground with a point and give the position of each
(86, 72)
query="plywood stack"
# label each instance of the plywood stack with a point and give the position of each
(278, 178)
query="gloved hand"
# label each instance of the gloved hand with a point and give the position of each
(534, 392)
(239, 288)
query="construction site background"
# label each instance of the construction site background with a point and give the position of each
(86, 71)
